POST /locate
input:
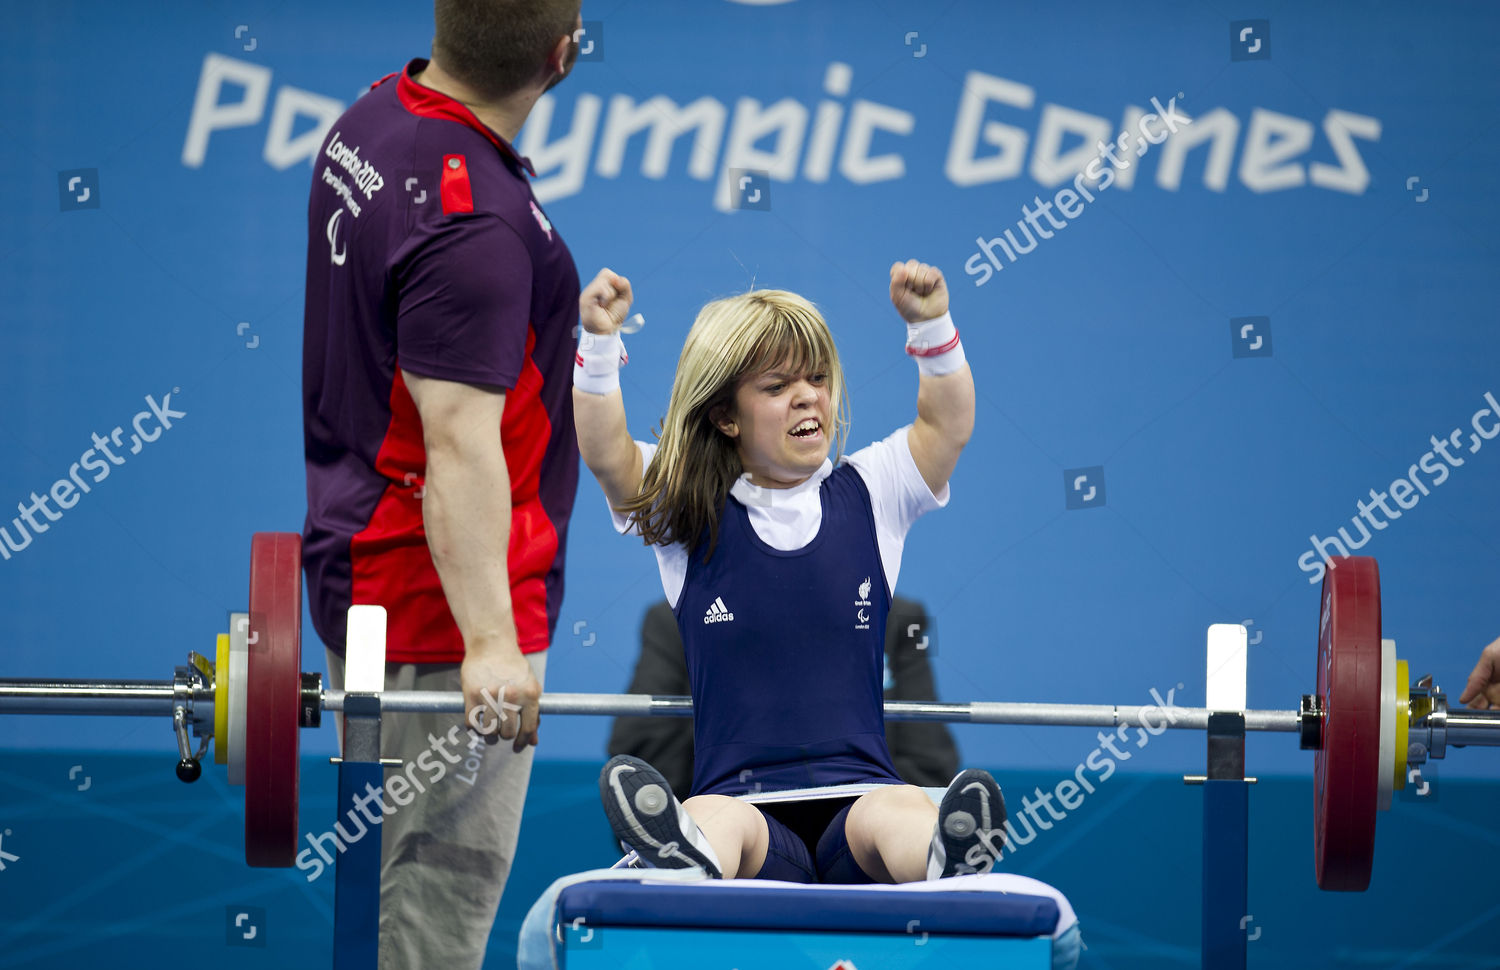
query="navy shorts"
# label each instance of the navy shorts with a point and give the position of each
(808, 844)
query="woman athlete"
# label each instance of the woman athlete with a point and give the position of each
(779, 565)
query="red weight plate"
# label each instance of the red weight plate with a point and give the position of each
(1346, 769)
(273, 695)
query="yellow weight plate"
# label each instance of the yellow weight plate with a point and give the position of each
(1403, 720)
(221, 701)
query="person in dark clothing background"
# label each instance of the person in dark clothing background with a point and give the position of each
(923, 752)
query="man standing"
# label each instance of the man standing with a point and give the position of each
(440, 450)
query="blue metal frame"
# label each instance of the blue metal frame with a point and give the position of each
(356, 894)
(1226, 844)
(1226, 873)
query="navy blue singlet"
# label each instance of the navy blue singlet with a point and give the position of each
(785, 652)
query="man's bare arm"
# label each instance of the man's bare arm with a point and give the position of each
(466, 512)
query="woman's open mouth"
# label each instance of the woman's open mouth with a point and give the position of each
(807, 429)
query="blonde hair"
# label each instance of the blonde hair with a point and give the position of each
(684, 489)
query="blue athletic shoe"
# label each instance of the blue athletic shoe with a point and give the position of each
(970, 830)
(648, 818)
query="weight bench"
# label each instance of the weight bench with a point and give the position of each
(668, 918)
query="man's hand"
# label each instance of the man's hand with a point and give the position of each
(1483, 690)
(604, 303)
(918, 291)
(501, 696)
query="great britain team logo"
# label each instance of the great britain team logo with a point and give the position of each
(862, 612)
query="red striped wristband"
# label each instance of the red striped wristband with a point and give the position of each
(937, 351)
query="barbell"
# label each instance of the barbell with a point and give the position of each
(1366, 722)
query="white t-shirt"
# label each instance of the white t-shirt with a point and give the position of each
(898, 496)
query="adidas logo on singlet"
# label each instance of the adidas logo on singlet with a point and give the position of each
(718, 612)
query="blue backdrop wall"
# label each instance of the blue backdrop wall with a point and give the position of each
(1196, 371)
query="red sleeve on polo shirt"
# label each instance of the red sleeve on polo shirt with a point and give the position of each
(464, 303)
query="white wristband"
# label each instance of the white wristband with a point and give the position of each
(596, 366)
(935, 346)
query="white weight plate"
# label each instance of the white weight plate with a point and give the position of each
(239, 678)
(1387, 771)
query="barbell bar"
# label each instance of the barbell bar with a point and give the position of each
(976, 712)
(1365, 722)
(155, 698)
(1463, 727)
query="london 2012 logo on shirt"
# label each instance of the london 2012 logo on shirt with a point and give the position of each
(862, 615)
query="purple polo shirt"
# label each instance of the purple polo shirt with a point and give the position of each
(428, 252)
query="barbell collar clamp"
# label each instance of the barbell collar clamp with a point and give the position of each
(1429, 721)
(310, 706)
(193, 693)
(1310, 723)
(189, 766)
